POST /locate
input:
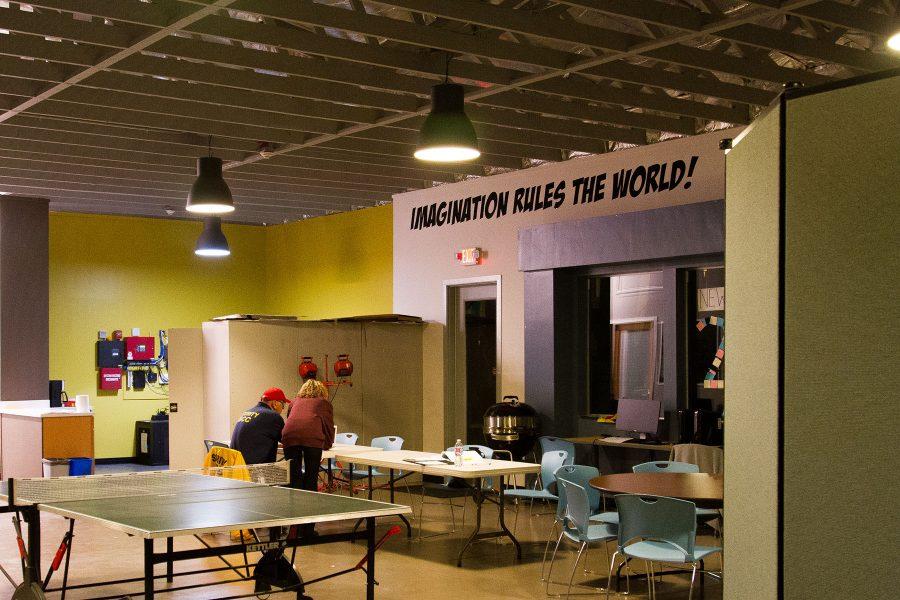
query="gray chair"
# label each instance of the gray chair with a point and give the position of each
(659, 530)
(670, 466)
(210, 444)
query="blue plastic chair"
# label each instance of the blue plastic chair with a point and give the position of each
(671, 466)
(666, 532)
(549, 443)
(386, 443)
(347, 438)
(578, 527)
(550, 462)
(579, 475)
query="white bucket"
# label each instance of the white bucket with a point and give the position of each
(55, 467)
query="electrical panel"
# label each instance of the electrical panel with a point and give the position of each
(110, 353)
(140, 348)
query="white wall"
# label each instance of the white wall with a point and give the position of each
(425, 258)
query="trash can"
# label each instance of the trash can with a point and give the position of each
(81, 466)
(55, 467)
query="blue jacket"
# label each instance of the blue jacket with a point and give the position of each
(257, 433)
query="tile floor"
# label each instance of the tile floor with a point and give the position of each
(405, 568)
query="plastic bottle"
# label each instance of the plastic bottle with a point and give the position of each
(457, 453)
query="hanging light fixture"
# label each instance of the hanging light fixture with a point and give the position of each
(447, 134)
(210, 194)
(212, 241)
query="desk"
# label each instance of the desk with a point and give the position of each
(597, 441)
(703, 489)
(396, 460)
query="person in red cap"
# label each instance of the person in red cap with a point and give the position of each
(258, 430)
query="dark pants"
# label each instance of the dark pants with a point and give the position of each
(306, 478)
(309, 458)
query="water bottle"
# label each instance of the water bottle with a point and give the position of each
(457, 453)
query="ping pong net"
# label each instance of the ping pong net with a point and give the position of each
(37, 490)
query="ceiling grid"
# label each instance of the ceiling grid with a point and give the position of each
(315, 106)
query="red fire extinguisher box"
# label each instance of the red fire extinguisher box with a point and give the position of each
(110, 379)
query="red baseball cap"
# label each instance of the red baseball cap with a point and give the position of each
(274, 393)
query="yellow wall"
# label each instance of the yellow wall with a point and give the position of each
(122, 272)
(334, 266)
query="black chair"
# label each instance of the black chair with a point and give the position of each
(210, 444)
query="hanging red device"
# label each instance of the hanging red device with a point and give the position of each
(342, 366)
(308, 369)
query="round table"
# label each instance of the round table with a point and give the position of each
(703, 489)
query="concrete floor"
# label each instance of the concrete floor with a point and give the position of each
(405, 568)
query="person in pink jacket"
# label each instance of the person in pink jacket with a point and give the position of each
(308, 431)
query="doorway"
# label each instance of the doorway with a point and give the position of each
(472, 372)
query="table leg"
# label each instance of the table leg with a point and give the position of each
(370, 569)
(478, 498)
(370, 482)
(148, 569)
(402, 517)
(33, 521)
(170, 565)
(503, 522)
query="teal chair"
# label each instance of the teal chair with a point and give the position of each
(549, 443)
(579, 475)
(670, 466)
(386, 443)
(577, 527)
(550, 462)
(656, 529)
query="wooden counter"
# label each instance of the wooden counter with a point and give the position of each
(28, 436)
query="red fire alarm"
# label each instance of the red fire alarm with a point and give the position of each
(110, 379)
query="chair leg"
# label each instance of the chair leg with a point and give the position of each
(516, 520)
(553, 558)
(612, 563)
(693, 577)
(575, 568)
(547, 548)
(649, 580)
(421, 509)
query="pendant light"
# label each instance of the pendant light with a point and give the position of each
(210, 194)
(447, 134)
(212, 241)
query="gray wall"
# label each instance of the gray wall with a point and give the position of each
(24, 298)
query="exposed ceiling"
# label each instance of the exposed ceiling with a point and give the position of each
(315, 105)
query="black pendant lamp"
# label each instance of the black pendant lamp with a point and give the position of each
(212, 241)
(447, 135)
(210, 194)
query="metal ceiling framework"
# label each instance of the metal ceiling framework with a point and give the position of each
(315, 105)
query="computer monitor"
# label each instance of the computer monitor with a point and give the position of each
(640, 416)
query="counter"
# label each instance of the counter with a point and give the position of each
(32, 433)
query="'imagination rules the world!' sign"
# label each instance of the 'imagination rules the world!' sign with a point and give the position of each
(620, 185)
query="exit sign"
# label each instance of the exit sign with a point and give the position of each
(469, 256)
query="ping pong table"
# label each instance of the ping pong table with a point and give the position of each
(168, 504)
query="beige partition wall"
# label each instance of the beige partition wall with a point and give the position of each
(231, 363)
(751, 419)
(813, 255)
(842, 259)
(186, 398)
